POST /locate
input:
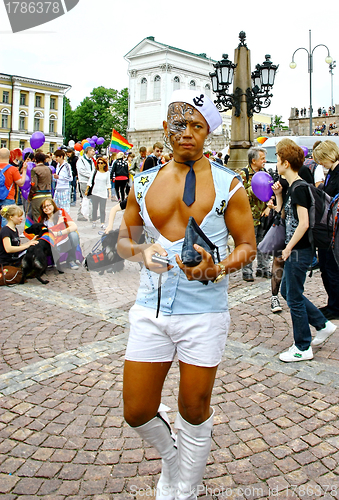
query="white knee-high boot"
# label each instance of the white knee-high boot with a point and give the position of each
(158, 433)
(194, 444)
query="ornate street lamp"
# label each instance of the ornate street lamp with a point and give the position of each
(257, 97)
(293, 65)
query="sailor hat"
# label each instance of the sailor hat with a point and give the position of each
(202, 103)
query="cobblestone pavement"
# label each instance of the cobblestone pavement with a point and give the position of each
(62, 433)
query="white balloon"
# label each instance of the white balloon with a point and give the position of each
(71, 144)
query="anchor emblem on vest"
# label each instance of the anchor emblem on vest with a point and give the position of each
(199, 101)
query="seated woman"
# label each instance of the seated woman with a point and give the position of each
(11, 249)
(63, 228)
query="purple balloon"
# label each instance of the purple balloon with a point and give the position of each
(25, 189)
(94, 138)
(262, 185)
(305, 149)
(52, 169)
(37, 140)
(27, 150)
(92, 143)
(100, 141)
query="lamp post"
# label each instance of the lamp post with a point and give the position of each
(251, 93)
(332, 65)
(293, 65)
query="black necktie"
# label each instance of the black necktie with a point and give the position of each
(189, 191)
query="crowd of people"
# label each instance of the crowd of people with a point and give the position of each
(188, 196)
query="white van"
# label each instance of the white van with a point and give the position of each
(301, 140)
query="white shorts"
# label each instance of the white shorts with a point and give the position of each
(198, 339)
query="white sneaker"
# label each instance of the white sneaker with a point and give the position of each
(324, 333)
(294, 354)
(103, 226)
(94, 225)
(275, 304)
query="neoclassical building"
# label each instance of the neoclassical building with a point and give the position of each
(155, 70)
(28, 105)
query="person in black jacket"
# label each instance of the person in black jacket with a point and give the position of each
(327, 154)
(120, 173)
(154, 159)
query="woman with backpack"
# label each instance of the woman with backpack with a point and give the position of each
(297, 255)
(120, 173)
(327, 154)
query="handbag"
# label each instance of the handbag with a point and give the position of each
(195, 235)
(10, 275)
(274, 240)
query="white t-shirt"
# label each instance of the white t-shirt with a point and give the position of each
(319, 174)
(101, 183)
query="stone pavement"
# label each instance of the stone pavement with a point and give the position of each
(62, 433)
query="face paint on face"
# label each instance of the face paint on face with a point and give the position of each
(179, 114)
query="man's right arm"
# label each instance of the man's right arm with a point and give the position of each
(20, 179)
(82, 170)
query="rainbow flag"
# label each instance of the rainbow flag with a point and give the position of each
(119, 143)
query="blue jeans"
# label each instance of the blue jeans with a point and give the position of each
(4, 203)
(303, 312)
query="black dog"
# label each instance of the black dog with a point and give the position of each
(34, 262)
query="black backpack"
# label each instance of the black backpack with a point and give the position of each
(320, 213)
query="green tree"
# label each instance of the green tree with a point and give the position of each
(277, 121)
(99, 113)
(68, 128)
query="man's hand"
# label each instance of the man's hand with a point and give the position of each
(204, 271)
(154, 266)
(277, 188)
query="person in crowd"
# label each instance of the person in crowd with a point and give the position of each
(114, 210)
(154, 158)
(327, 155)
(41, 182)
(297, 256)
(64, 229)
(101, 190)
(11, 248)
(120, 173)
(72, 159)
(85, 166)
(198, 313)
(219, 158)
(12, 178)
(138, 161)
(63, 176)
(15, 159)
(256, 162)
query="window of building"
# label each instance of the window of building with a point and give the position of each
(208, 89)
(52, 147)
(52, 124)
(23, 99)
(52, 103)
(143, 89)
(192, 85)
(176, 83)
(157, 87)
(38, 101)
(21, 122)
(4, 118)
(5, 97)
(36, 124)
(22, 145)
(3, 143)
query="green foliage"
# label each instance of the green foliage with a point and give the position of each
(68, 121)
(277, 121)
(98, 114)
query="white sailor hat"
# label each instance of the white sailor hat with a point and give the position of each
(200, 102)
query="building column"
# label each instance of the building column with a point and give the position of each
(16, 102)
(60, 114)
(47, 99)
(31, 107)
